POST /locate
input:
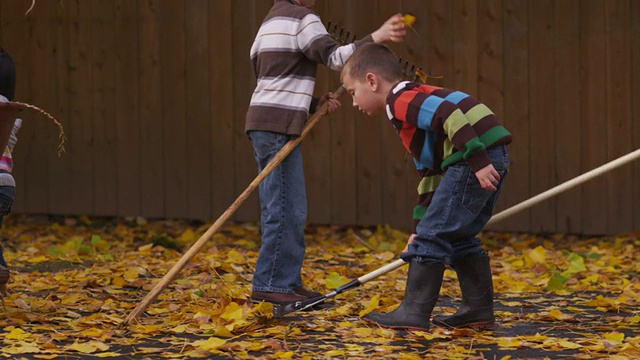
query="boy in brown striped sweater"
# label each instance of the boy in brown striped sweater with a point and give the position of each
(460, 150)
(290, 43)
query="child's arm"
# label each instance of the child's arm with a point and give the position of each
(317, 45)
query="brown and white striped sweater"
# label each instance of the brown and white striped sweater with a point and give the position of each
(290, 43)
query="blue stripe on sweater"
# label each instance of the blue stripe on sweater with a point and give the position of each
(427, 109)
(456, 96)
(426, 154)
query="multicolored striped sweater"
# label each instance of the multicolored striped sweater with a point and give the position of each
(440, 127)
(290, 43)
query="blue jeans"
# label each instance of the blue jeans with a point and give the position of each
(283, 205)
(7, 195)
(460, 208)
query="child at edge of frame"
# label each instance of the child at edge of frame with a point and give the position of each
(7, 182)
(289, 45)
(460, 151)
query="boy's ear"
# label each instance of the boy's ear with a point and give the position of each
(372, 80)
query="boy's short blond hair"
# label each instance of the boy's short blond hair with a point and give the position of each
(373, 58)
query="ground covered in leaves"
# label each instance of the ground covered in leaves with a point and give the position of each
(74, 281)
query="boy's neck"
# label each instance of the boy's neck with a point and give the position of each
(386, 87)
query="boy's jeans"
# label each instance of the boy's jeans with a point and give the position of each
(460, 208)
(283, 204)
(7, 194)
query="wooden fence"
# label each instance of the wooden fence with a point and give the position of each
(153, 93)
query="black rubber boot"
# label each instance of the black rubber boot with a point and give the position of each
(421, 294)
(474, 276)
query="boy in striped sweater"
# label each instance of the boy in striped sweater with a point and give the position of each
(290, 43)
(7, 182)
(460, 151)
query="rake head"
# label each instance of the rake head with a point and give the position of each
(343, 37)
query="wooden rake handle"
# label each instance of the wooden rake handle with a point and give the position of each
(197, 246)
(569, 184)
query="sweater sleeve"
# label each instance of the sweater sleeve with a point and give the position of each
(433, 113)
(317, 45)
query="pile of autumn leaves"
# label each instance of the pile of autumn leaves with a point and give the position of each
(75, 280)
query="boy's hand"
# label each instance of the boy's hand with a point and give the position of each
(488, 177)
(411, 241)
(332, 103)
(392, 30)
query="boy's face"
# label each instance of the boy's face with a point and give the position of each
(364, 93)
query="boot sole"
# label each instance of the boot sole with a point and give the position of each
(475, 326)
(397, 327)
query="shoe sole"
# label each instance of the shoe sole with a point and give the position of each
(397, 327)
(474, 326)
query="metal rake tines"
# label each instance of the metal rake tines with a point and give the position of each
(340, 36)
(415, 75)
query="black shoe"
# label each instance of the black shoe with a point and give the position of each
(421, 294)
(476, 284)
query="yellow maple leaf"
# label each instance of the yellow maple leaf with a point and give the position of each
(333, 353)
(615, 336)
(22, 348)
(17, 334)
(362, 332)
(131, 274)
(89, 347)
(373, 304)
(284, 354)
(38, 259)
(335, 280)
(211, 343)
(566, 344)
(232, 311)
(509, 342)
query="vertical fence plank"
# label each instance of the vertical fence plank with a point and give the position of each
(150, 110)
(222, 116)
(81, 135)
(198, 116)
(368, 137)
(103, 100)
(465, 45)
(14, 34)
(247, 17)
(491, 61)
(316, 147)
(126, 119)
(634, 14)
(172, 53)
(594, 128)
(439, 56)
(567, 111)
(59, 184)
(343, 164)
(516, 108)
(35, 127)
(542, 120)
(618, 105)
(397, 169)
